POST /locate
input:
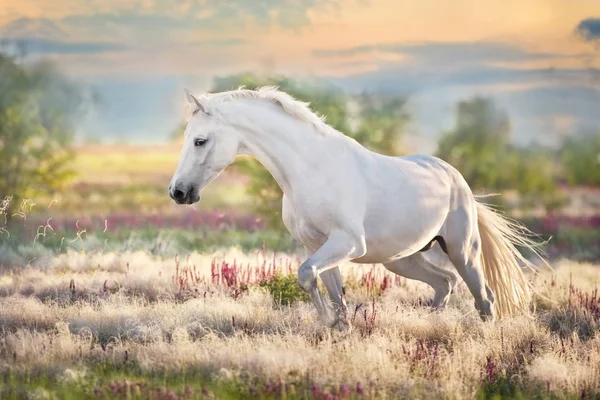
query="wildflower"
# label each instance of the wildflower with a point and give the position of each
(344, 391)
(359, 389)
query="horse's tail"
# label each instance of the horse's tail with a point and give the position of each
(501, 260)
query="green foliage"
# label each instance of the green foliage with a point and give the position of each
(382, 123)
(500, 389)
(284, 289)
(177, 133)
(36, 109)
(380, 127)
(117, 379)
(18, 246)
(580, 157)
(479, 147)
(264, 192)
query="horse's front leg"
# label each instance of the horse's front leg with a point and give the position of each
(332, 279)
(339, 247)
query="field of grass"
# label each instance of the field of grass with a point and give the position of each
(108, 290)
(234, 324)
(116, 178)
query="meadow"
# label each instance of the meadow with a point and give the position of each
(234, 324)
(104, 295)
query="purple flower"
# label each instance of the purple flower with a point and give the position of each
(359, 389)
(344, 391)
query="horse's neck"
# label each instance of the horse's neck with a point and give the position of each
(287, 148)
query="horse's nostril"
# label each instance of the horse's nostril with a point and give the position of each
(178, 194)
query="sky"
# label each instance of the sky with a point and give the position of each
(539, 59)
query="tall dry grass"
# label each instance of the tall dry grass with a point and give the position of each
(206, 313)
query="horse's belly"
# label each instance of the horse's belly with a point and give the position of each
(386, 249)
(400, 233)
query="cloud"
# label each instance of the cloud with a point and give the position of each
(201, 16)
(434, 65)
(282, 13)
(528, 95)
(589, 29)
(440, 54)
(43, 46)
(161, 17)
(226, 42)
(153, 26)
(411, 79)
(33, 28)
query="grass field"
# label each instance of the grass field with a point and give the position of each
(117, 178)
(235, 325)
(107, 290)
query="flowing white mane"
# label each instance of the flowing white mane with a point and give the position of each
(298, 109)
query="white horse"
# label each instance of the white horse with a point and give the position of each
(344, 202)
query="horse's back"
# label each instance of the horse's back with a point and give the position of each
(427, 162)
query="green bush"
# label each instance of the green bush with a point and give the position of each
(480, 147)
(580, 157)
(284, 289)
(38, 108)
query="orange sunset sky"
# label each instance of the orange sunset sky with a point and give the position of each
(538, 58)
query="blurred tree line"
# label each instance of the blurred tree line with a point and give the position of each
(580, 158)
(480, 147)
(37, 108)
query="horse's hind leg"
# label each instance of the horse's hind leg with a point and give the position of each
(418, 268)
(464, 250)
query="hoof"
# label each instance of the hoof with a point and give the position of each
(330, 318)
(342, 325)
(487, 317)
(486, 312)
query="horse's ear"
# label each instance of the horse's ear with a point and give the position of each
(197, 104)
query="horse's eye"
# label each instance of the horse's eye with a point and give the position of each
(199, 142)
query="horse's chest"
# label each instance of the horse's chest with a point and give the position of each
(303, 227)
(309, 235)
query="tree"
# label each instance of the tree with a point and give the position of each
(479, 147)
(382, 123)
(580, 157)
(380, 127)
(37, 105)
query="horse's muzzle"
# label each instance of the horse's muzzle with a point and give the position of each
(185, 196)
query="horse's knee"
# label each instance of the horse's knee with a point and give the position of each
(307, 277)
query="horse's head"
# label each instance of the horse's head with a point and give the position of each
(210, 145)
